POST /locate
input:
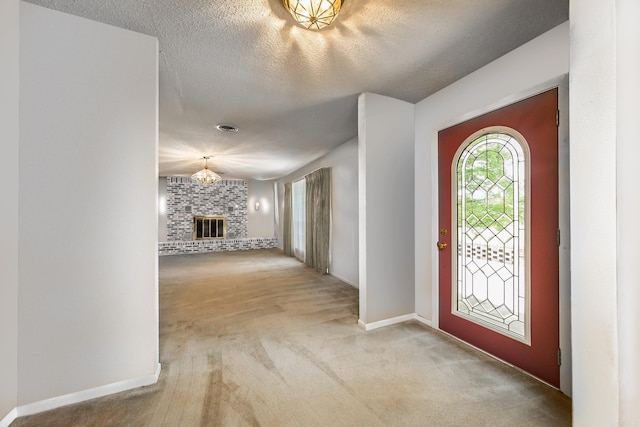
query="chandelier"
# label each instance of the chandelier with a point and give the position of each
(313, 14)
(206, 176)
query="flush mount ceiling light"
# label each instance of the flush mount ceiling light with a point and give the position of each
(206, 176)
(313, 14)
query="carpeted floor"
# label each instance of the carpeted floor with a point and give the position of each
(257, 339)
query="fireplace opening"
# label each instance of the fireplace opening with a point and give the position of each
(209, 227)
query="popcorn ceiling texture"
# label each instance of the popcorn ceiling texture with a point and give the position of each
(293, 92)
(187, 198)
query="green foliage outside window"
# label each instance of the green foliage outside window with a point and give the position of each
(488, 186)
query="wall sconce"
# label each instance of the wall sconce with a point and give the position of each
(257, 206)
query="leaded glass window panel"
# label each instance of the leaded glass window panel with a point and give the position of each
(491, 280)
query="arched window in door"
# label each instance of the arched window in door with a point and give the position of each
(492, 286)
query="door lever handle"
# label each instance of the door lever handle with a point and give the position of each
(441, 245)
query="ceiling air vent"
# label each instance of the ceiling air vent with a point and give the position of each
(222, 127)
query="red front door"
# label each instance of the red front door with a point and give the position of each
(498, 214)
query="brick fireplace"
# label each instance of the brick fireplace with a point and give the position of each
(218, 212)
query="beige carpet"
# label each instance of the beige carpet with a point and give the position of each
(257, 339)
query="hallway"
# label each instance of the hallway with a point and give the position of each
(256, 338)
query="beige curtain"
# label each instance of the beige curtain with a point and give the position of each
(287, 237)
(318, 218)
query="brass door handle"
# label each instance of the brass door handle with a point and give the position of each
(441, 245)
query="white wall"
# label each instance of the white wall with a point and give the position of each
(593, 200)
(260, 223)
(605, 107)
(9, 139)
(386, 206)
(343, 162)
(88, 209)
(530, 69)
(628, 204)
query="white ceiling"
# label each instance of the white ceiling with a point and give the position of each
(291, 91)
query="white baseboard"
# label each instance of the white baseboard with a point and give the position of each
(422, 320)
(392, 321)
(11, 417)
(342, 279)
(386, 322)
(81, 396)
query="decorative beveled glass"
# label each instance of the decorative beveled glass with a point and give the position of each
(491, 234)
(313, 14)
(206, 176)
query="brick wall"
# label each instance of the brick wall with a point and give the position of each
(186, 198)
(203, 246)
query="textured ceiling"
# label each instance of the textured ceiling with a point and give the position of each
(291, 91)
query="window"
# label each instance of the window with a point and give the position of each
(491, 234)
(299, 199)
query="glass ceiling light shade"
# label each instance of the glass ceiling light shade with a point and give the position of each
(313, 14)
(206, 176)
